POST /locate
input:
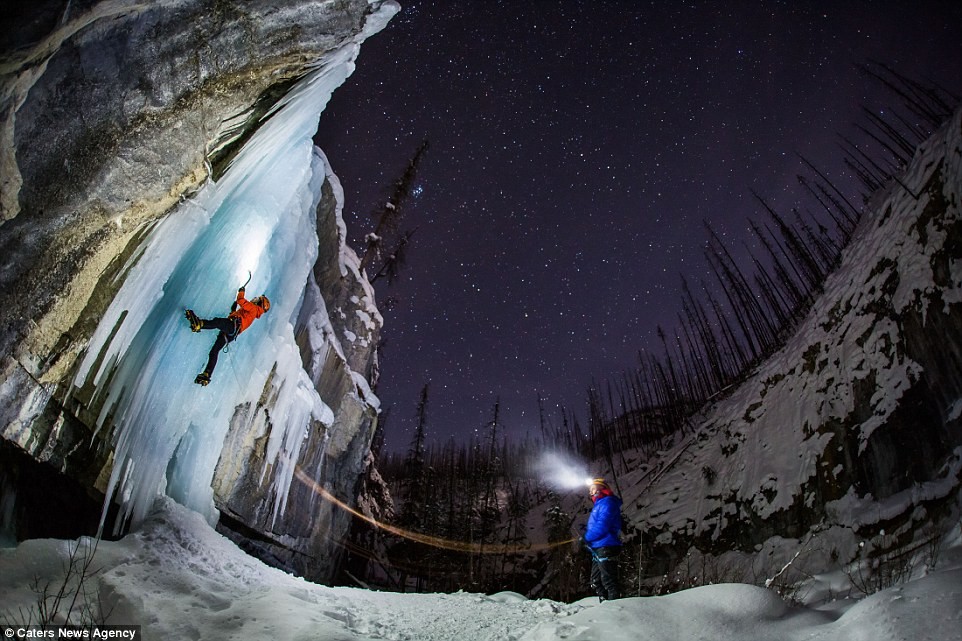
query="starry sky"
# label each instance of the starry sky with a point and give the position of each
(576, 147)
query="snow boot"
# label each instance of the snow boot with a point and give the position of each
(195, 323)
(202, 379)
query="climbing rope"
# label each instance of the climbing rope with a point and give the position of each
(433, 541)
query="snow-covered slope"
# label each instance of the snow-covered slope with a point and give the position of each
(845, 443)
(179, 579)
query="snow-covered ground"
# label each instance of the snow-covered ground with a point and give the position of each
(179, 579)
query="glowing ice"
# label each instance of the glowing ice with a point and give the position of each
(168, 432)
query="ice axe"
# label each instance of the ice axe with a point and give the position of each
(233, 305)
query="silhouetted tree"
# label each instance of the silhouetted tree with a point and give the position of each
(386, 231)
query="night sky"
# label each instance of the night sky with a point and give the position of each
(576, 148)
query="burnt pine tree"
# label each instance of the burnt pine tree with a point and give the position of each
(407, 556)
(415, 471)
(561, 578)
(385, 247)
(490, 470)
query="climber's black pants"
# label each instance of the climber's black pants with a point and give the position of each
(227, 332)
(604, 573)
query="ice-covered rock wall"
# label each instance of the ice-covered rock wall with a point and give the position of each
(151, 154)
(849, 440)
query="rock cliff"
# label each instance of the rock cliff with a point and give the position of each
(847, 443)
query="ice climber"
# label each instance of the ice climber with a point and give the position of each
(602, 539)
(243, 312)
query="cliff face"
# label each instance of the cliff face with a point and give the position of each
(336, 332)
(113, 115)
(847, 442)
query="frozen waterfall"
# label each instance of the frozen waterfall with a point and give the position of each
(260, 216)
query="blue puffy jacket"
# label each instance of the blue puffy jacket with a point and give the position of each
(604, 523)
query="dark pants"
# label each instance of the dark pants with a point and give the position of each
(227, 332)
(604, 573)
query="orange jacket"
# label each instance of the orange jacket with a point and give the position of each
(246, 311)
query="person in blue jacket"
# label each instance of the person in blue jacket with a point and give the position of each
(601, 539)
